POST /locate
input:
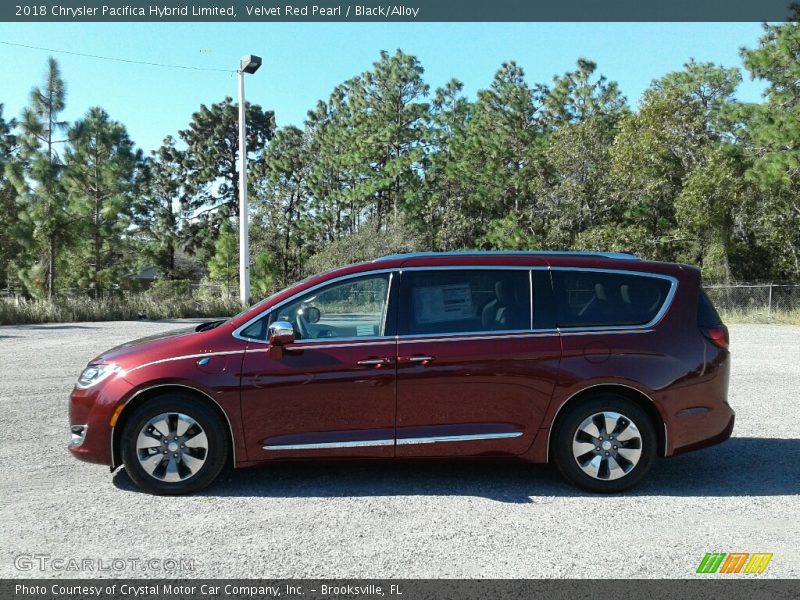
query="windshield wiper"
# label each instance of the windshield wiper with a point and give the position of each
(209, 325)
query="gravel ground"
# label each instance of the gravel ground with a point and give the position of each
(399, 520)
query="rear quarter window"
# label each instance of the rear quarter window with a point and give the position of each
(707, 315)
(597, 298)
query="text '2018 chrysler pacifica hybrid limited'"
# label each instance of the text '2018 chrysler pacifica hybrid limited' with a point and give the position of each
(595, 362)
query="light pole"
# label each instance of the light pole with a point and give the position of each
(248, 64)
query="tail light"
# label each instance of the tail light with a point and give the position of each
(718, 335)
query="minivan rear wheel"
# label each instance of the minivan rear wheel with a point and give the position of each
(604, 443)
(174, 444)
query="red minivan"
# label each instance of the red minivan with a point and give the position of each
(597, 362)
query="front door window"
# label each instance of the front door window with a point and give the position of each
(349, 309)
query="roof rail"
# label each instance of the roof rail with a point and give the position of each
(613, 255)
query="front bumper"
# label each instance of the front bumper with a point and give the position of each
(91, 409)
(77, 435)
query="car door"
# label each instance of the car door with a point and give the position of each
(332, 391)
(473, 376)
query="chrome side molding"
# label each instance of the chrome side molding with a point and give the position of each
(326, 445)
(400, 441)
(458, 438)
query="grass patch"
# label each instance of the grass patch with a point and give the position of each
(132, 307)
(761, 316)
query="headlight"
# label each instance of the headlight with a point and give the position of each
(95, 374)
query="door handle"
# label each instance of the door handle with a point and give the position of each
(375, 362)
(418, 359)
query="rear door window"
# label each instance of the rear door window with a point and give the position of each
(597, 299)
(464, 301)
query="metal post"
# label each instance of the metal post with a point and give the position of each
(244, 228)
(769, 303)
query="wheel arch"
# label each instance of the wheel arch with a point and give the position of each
(142, 396)
(639, 397)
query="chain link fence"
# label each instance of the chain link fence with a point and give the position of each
(767, 299)
(764, 302)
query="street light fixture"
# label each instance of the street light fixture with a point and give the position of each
(248, 64)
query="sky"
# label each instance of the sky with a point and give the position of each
(304, 61)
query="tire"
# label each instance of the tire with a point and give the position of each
(174, 444)
(586, 453)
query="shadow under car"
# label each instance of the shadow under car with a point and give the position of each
(739, 467)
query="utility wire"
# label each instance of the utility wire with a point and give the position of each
(123, 60)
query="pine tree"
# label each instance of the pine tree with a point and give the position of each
(223, 268)
(212, 140)
(160, 207)
(499, 158)
(333, 175)
(262, 280)
(101, 166)
(575, 98)
(391, 121)
(675, 185)
(582, 112)
(10, 247)
(773, 131)
(441, 217)
(281, 202)
(37, 177)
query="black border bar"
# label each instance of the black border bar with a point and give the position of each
(705, 588)
(271, 11)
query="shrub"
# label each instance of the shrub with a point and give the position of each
(169, 289)
(134, 306)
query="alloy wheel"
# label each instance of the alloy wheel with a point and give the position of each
(172, 447)
(607, 445)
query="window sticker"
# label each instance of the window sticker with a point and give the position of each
(443, 303)
(365, 330)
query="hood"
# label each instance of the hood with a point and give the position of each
(153, 347)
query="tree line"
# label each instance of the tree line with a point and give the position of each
(387, 164)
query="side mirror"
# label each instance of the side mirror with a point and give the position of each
(280, 333)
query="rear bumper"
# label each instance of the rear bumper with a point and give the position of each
(715, 438)
(698, 415)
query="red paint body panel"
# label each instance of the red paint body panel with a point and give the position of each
(161, 361)
(502, 383)
(316, 393)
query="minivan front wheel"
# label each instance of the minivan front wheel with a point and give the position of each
(174, 444)
(605, 443)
